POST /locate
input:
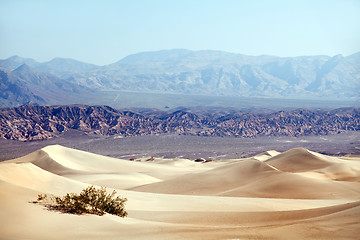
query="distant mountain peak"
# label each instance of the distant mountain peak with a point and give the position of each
(21, 60)
(61, 60)
(23, 68)
(155, 56)
(15, 58)
(15, 61)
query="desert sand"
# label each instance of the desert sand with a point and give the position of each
(297, 194)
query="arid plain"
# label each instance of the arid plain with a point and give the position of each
(295, 194)
(216, 120)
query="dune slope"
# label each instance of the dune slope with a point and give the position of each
(253, 178)
(297, 194)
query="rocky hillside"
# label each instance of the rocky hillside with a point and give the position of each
(31, 122)
(25, 85)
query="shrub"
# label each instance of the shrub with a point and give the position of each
(90, 200)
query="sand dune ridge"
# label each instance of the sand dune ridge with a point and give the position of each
(296, 194)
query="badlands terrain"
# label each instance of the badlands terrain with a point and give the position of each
(295, 194)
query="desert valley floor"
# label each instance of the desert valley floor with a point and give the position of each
(295, 194)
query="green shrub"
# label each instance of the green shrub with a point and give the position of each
(90, 200)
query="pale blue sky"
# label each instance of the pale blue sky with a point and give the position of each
(104, 31)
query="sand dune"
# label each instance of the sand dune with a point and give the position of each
(213, 181)
(298, 160)
(253, 178)
(297, 194)
(301, 160)
(32, 177)
(266, 155)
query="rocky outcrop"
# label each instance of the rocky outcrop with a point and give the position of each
(30, 122)
(289, 123)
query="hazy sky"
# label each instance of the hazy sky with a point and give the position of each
(104, 31)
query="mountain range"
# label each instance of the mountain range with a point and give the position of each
(30, 122)
(179, 71)
(25, 85)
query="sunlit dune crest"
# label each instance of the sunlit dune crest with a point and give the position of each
(297, 194)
